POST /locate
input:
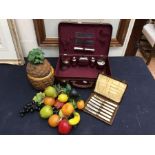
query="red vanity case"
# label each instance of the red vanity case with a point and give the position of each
(83, 53)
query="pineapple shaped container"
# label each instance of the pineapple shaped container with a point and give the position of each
(39, 71)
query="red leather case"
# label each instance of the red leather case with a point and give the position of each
(78, 45)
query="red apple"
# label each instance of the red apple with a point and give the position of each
(64, 127)
(58, 104)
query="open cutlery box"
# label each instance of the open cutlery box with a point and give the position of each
(83, 53)
(104, 102)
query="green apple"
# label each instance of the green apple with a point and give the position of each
(51, 92)
(46, 111)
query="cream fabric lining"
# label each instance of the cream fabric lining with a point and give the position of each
(110, 88)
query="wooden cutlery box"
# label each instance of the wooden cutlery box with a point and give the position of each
(104, 102)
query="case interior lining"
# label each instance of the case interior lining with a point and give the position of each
(110, 88)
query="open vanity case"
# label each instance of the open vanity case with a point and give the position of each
(83, 53)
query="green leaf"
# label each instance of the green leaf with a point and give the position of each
(68, 86)
(34, 99)
(57, 87)
(64, 90)
(73, 103)
(36, 56)
(67, 89)
(36, 61)
(39, 98)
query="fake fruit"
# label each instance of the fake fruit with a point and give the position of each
(53, 120)
(46, 111)
(64, 127)
(50, 92)
(61, 114)
(58, 104)
(63, 97)
(75, 120)
(29, 107)
(38, 98)
(49, 101)
(67, 109)
(80, 104)
(63, 89)
(73, 93)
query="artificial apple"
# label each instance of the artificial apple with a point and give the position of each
(58, 104)
(50, 92)
(46, 112)
(64, 127)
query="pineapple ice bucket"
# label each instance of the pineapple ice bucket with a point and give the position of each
(39, 71)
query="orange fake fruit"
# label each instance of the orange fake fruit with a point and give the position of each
(53, 120)
(80, 104)
(67, 109)
(49, 101)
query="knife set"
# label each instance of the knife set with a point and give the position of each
(104, 102)
(83, 53)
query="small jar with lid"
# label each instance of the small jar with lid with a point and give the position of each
(92, 62)
(100, 63)
(65, 61)
(74, 61)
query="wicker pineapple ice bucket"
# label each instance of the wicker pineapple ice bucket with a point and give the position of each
(40, 75)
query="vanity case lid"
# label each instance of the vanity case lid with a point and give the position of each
(110, 88)
(88, 35)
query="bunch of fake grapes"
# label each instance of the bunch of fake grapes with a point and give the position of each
(58, 104)
(29, 108)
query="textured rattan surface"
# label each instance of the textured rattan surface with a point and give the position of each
(42, 83)
(40, 70)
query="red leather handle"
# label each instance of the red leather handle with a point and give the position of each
(82, 84)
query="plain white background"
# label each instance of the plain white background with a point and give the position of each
(66, 145)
